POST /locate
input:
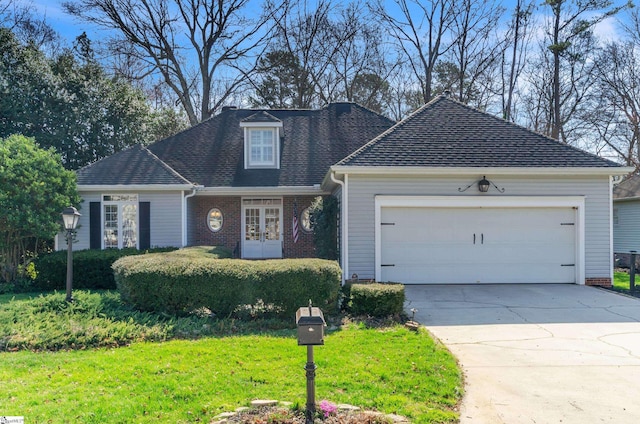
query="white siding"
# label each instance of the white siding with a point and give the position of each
(165, 211)
(166, 217)
(626, 234)
(363, 189)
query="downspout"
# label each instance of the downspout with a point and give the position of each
(611, 247)
(194, 190)
(344, 225)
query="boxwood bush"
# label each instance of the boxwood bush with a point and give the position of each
(377, 300)
(178, 283)
(91, 268)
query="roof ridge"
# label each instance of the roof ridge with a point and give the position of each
(501, 119)
(394, 127)
(111, 155)
(165, 165)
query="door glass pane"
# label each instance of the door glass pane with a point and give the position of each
(272, 223)
(129, 226)
(110, 226)
(252, 224)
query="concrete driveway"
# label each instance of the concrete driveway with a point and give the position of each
(538, 353)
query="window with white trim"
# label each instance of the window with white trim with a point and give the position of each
(262, 147)
(262, 144)
(120, 221)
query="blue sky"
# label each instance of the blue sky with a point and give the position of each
(70, 28)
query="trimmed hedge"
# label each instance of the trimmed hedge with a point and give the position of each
(376, 299)
(173, 283)
(91, 268)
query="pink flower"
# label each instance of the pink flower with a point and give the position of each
(328, 408)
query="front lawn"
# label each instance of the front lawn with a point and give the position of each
(389, 369)
(621, 282)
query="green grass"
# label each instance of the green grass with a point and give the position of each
(390, 369)
(101, 319)
(621, 281)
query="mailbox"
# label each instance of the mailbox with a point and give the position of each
(311, 325)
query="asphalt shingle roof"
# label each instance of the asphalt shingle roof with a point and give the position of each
(134, 165)
(629, 188)
(446, 133)
(211, 153)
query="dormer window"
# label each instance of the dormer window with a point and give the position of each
(262, 147)
(261, 141)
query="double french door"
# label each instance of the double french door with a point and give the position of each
(262, 229)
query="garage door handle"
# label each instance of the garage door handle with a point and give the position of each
(567, 264)
(474, 239)
(482, 238)
(387, 264)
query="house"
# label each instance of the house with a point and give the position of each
(448, 195)
(234, 180)
(626, 219)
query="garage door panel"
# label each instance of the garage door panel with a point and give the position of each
(478, 245)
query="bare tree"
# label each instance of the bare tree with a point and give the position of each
(169, 35)
(361, 64)
(575, 82)
(570, 21)
(421, 31)
(615, 104)
(476, 48)
(19, 17)
(517, 38)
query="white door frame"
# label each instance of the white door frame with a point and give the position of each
(576, 202)
(266, 246)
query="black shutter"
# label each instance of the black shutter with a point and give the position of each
(145, 225)
(95, 223)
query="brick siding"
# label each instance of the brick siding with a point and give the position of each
(602, 281)
(230, 236)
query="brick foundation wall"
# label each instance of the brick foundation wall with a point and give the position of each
(230, 236)
(603, 281)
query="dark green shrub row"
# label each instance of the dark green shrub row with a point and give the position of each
(91, 268)
(376, 299)
(175, 284)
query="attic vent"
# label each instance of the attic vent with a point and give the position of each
(227, 108)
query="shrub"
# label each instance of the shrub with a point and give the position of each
(91, 268)
(377, 299)
(176, 284)
(323, 214)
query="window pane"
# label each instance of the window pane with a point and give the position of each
(252, 224)
(305, 220)
(129, 226)
(111, 226)
(261, 147)
(215, 219)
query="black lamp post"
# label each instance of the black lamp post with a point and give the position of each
(70, 217)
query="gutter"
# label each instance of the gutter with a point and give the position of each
(439, 171)
(344, 225)
(194, 190)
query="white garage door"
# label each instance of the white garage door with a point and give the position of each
(469, 245)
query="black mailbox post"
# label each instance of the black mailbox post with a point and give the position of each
(310, 322)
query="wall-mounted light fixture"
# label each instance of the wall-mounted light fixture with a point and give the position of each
(483, 186)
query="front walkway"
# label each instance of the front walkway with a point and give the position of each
(538, 353)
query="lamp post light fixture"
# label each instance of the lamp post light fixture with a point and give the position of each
(70, 217)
